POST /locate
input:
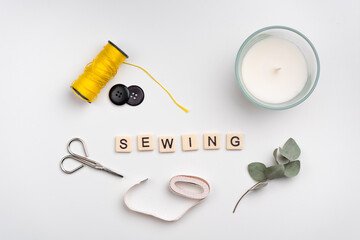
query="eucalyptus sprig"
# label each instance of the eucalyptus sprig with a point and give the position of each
(286, 165)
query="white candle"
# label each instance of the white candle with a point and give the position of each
(274, 70)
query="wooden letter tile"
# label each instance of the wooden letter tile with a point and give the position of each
(167, 144)
(234, 141)
(145, 142)
(123, 144)
(211, 141)
(190, 142)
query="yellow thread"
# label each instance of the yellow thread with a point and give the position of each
(97, 73)
(101, 70)
(183, 108)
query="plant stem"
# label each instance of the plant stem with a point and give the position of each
(245, 194)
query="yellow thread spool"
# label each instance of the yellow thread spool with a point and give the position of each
(97, 73)
(101, 70)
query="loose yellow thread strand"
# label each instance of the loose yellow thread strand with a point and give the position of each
(182, 108)
(101, 70)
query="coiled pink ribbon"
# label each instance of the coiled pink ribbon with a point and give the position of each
(204, 185)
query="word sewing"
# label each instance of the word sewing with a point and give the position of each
(189, 142)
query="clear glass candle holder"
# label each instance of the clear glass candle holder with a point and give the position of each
(305, 47)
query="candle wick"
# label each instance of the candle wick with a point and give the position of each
(276, 70)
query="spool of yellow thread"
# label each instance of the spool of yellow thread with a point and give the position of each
(101, 70)
(97, 73)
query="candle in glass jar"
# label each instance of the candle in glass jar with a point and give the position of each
(274, 70)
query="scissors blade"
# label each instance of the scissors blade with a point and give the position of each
(112, 172)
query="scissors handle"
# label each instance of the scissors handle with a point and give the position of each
(86, 161)
(69, 171)
(83, 160)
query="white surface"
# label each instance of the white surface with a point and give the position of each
(190, 46)
(274, 70)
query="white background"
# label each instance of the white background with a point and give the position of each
(190, 47)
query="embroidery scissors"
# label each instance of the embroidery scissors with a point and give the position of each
(83, 160)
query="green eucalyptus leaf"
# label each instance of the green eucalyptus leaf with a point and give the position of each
(256, 171)
(276, 171)
(275, 154)
(279, 159)
(260, 185)
(290, 150)
(292, 168)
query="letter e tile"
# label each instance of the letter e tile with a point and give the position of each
(145, 142)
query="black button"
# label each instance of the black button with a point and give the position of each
(119, 94)
(136, 95)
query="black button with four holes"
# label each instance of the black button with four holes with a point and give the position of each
(119, 94)
(136, 95)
